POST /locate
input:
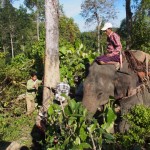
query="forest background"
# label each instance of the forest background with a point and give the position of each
(22, 46)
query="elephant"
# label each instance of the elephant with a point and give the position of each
(124, 85)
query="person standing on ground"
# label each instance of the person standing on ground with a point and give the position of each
(32, 87)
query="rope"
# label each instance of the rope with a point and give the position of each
(134, 64)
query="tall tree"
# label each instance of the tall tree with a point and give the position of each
(69, 31)
(97, 11)
(128, 23)
(38, 7)
(137, 23)
(2, 3)
(8, 28)
(141, 26)
(88, 39)
(51, 72)
(16, 27)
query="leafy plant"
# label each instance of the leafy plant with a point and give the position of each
(69, 128)
(138, 134)
(73, 62)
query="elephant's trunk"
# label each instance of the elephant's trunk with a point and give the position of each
(89, 98)
(91, 104)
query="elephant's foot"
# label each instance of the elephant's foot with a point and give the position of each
(123, 126)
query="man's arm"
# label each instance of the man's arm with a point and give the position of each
(39, 82)
(117, 43)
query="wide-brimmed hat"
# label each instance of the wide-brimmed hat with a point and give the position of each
(106, 26)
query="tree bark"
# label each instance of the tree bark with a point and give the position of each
(128, 23)
(12, 45)
(51, 70)
(98, 38)
(98, 35)
(37, 24)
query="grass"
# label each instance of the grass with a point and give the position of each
(16, 128)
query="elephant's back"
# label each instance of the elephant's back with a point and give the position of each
(140, 55)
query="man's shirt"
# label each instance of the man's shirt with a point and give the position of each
(30, 86)
(114, 45)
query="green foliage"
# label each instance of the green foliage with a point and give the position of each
(110, 117)
(140, 26)
(36, 6)
(89, 39)
(2, 65)
(37, 53)
(139, 131)
(73, 62)
(14, 79)
(122, 31)
(19, 68)
(68, 128)
(16, 25)
(68, 30)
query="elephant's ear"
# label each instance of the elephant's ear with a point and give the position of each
(118, 91)
(122, 86)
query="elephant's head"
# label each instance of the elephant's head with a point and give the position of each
(98, 86)
(104, 81)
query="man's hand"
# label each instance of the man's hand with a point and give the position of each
(109, 55)
(34, 86)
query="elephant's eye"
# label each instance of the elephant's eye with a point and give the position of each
(99, 95)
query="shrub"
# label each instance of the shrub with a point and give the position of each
(69, 128)
(138, 134)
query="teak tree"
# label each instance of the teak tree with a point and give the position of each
(128, 23)
(51, 70)
(38, 7)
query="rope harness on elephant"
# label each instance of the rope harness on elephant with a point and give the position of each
(134, 64)
(139, 68)
(138, 90)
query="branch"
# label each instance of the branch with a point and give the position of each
(4, 80)
(94, 147)
(15, 83)
(4, 88)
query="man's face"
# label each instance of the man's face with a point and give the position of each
(107, 31)
(34, 78)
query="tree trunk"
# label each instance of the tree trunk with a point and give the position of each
(37, 24)
(3, 2)
(51, 72)
(12, 46)
(4, 49)
(98, 34)
(128, 23)
(98, 38)
(23, 45)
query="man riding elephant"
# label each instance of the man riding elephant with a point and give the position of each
(104, 81)
(114, 47)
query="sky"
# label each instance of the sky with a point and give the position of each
(72, 8)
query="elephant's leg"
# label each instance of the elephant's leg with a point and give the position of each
(126, 106)
(123, 126)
